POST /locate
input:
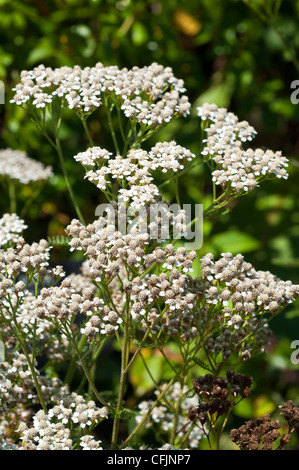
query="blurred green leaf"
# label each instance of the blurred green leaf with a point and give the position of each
(244, 409)
(139, 34)
(235, 242)
(41, 51)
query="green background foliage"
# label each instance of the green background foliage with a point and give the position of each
(238, 54)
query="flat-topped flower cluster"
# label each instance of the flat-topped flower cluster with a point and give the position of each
(236, 169)
(134, 172)
(151, 95)
(16, 165)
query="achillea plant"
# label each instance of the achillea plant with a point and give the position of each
(136, 288)
(266, 434)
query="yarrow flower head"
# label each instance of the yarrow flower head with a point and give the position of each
(16, 165)
(263, 433)
(151, 95)
(237, 170)
(11, 228)
(52, 431)
(134, 173)
(218, 395)
(137, 167)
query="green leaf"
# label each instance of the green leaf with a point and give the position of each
(244, 409)
(263, 405)
(235, 242)
(294, 313)
(42, 51)
(56, 111)
(139, 34)
(139, 376)
(59, 240)
(219, 94)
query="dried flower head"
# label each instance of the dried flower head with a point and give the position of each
(217, 395)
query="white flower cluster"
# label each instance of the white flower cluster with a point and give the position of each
(137, 166)
(242, 296)
(11, 227)
(16, 165)
(49, 343)
(26, 258)
(171, 287)
(17, 265)
(93, 156)
(76, 295)
(108, 250)
(105, 247)
(73, 409)
(52, 431)
(36, 322)
(163, 416)
(88, 442)
(134, 170)
(232, 281)
(64, 301)
(151, 94)
(139, 196)
(230, 294)
(105, 322)
(16, 383)
(169, 156)
(237, 170)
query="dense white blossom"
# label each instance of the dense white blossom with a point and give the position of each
(11, 228)
(152, 95)
(16, 165)
(236, 169)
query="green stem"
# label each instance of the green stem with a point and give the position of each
(185, 438)
(32, 368)
(30, 199)
(93, 361)
(12, 196)
(123, 373)
(70, 335)
(83, 120)
(66, 176)
(177, 414)
(108, 110)
(120, 125)
(72, 367)
(148, 413)
(176, 189)
(18, 334)
(127, 142)
(153, 379)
